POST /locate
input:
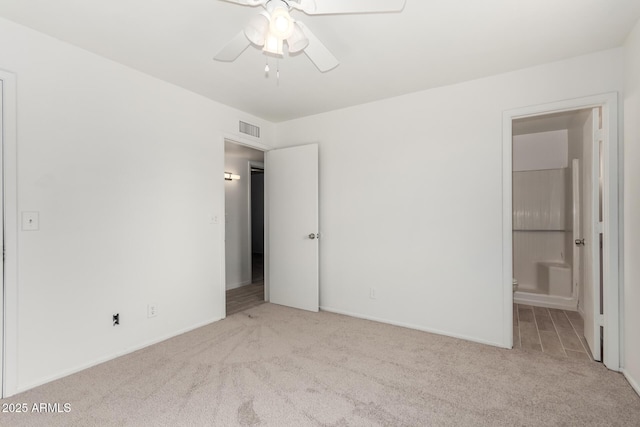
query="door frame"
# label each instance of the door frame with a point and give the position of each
(612, 209)
(250, 165)
(9, 211)
(576, 203)
(239, 140)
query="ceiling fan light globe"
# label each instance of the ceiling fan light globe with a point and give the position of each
(257, 28)
(282, 24)
(273, 44)
(297, 41)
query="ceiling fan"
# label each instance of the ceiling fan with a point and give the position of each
(274, 26)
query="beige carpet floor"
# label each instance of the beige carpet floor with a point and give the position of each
(275, 366)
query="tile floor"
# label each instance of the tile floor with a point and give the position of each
(245, 297)
(550, 331)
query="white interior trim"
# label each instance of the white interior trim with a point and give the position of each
(507, 229)
(612, 230)
(240, 140)
(549, 301)
(10, 206)
(252, 164)
(609, 104)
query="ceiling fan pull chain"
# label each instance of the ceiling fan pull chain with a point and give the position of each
(266, 68)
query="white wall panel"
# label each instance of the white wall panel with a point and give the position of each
(236, 223)
(631, 294)
(529, 248)
(411, 196)
(576, 143)
(126, 173)
(539, 200)
(542, 150)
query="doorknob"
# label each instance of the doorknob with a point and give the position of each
(580, 242)
(312, 236)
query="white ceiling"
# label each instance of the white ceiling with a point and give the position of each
(430, 43)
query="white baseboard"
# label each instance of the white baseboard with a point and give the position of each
(416, 327)
(548, 301)
(634, 384)
(238, 285)
(110, 357)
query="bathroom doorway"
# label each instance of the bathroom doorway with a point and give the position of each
(543, 188)
(552, 192)
(549, 176)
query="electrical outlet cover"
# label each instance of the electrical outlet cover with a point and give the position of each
(152, 310)
(30, 221)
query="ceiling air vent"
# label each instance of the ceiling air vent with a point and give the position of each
(249, 129)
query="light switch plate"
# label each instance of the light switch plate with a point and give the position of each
(30, 221)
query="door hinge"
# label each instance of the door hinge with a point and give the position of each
(600, 319)
(598, 135)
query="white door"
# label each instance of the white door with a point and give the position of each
(291, 176)
(591, 228)
(576, 179)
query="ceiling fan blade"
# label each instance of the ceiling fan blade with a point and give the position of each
(317, 52)
(234, 48)
(330, 7)
(247, 2)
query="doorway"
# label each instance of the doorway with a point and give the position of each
(291, 220)
(605, 166)
(256, 220)
(244, 227)
(553, 191)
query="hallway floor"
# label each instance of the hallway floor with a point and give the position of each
(549, 330)
(248, 296)
(245, 297)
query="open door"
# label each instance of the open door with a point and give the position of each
(292, 194)
(592, 227)
(576, 199)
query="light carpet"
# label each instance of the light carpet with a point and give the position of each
(276, 366)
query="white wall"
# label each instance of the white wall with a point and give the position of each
(589, 280)
(539, 202)
(126, 173)
(542, 150)
(238, 256)
(411, 196)
(632, 209)
(576, 142)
